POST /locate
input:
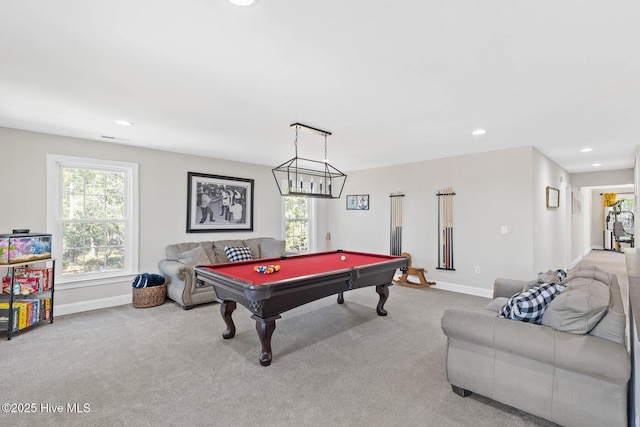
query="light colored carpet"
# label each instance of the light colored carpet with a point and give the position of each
(333, 365)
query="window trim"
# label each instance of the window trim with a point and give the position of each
(311, 203)
(55, 163)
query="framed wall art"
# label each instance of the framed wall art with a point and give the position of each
(218, 203)
(359, 202)
(553, 197)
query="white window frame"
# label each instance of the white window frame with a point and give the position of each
(55, 164)
(311, 203)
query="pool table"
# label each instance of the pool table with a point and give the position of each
(300, 280)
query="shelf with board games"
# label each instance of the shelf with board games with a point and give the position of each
(26, 296)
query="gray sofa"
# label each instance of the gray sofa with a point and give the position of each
(178, 267)
(573, 369)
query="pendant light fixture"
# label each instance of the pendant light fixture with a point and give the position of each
(306, 177)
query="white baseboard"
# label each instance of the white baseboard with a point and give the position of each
(575, 262)
(77, 307)
(463, 289)
(96, 304)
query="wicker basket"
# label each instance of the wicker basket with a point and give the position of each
(149, 297)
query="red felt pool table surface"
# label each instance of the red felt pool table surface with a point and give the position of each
(297, 266)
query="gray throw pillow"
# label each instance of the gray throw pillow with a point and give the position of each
(195, 256)
(611, 327)
(552, 276)
(589, 274)
(579, 308)
(271, 248)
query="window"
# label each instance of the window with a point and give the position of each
(92, 214)
(298, 223)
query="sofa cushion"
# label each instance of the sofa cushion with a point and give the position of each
(219, 245)
(254, 245)
(195, 256)
(593, 273)
(272, 248)
(496, 304)
(589, 267)
(580, 307)
(611, 327)
(529, 306)
(238, 253)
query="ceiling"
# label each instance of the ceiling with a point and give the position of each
(394, 81)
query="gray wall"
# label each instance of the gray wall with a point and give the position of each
(163, 198)
(551, 225)
(492, 189)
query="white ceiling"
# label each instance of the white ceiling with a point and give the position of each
(394, 81)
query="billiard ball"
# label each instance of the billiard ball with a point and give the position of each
(343, 257)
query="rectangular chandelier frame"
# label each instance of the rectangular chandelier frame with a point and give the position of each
(309, 178)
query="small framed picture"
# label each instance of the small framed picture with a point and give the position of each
(358, 202)
(553, 197)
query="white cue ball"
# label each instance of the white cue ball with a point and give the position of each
(343, 257)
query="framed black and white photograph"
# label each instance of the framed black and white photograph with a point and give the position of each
(358, 202)
(218, 203)
(553, 197)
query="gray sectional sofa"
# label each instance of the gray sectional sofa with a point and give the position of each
(178, 267)
(573, 369)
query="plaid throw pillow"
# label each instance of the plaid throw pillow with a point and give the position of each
(529, 306)
(238, 253)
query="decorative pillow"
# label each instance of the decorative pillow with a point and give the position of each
(611, 327)
(238, 253)
(579, 308)
(589, 274)
(271, 248)
(550, 276)
(195, 256)
(219, 245)
(529, 306)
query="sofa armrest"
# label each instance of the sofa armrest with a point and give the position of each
(471, 326)
(175, 269)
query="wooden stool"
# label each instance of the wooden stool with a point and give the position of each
(413, 271)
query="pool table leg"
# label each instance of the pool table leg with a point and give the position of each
(226, 309)
(383, 291)
(265, 328)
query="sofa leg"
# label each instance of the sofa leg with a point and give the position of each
(187, 307)
(460, 391)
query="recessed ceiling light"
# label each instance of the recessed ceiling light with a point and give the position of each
(243, 2)
(478, 132)
(123, 123)
(595, 165)
(586, 150)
